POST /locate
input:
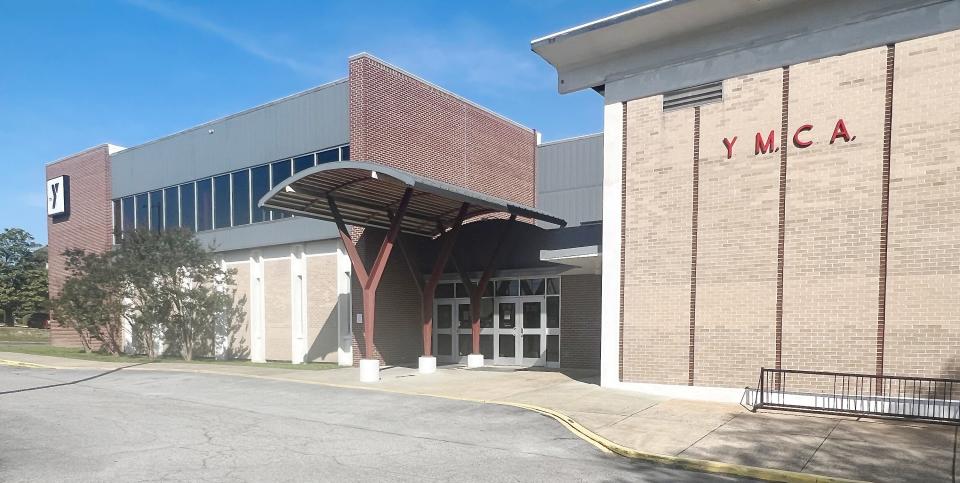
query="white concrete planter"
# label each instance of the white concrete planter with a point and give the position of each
(369, 370)
(427, 364)
(474, 360)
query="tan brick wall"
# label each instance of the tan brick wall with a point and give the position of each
(238, 343)
(580, 321)
(832, 226)
(276, 274)
(737, 234)
(322, 335)
(88, 225)
(923, 296)
(657, 241)
(832, 238)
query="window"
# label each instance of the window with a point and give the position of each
(553, 312)
(204, 204)
(260, 185)
(553, 286)
(344, 153)
(171, 207)
(188, 212)
(444, 291)
(117, 222)
(328, 156)
(531, 286)
(221, 201)
(156, 211)
(508, 288)
(128, 220)
(241, 198)
(302, 163)
(143, 210)
(279, 171)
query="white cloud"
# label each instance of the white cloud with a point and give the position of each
(239, 40)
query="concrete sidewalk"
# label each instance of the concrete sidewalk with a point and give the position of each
(842, 447)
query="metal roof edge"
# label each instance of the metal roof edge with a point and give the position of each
(420, 182)
(607, 21)
(243, 112)
(106, 146)
(571, 139)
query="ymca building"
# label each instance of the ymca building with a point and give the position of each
(777, 185)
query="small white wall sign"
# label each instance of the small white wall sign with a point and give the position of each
(58, 196)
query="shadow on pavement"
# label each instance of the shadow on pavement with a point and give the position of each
(95, 376)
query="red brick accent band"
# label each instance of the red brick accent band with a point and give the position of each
(693, 241)
(885, 210)
(782, 221)
(623, 226)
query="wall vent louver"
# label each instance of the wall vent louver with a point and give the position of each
(693, 96)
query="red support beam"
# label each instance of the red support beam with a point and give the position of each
(476, 291)
(446, 247)
(369, 281)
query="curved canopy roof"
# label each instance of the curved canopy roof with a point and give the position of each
(366, 194)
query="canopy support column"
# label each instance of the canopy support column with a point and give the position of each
(370, 281)
(446, 248)
(477, 290)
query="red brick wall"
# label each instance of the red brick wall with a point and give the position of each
(87, 226)
(401, 121)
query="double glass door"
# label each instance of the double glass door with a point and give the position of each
(514, 331)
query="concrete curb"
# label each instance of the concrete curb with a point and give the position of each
(603, 444)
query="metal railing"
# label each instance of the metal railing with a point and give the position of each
(924, 398)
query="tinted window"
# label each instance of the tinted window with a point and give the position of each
(117, 221)
(143, 210)
(531, 286)
(328, 156)
(345, 153)
(241, 198)
(444, 291)
(221, 201)
(204, 205)
(188, 212)
(171, 206)
(127, 206)
(507, 288)
(156, 211)
(260, 183)
(279, 171)
(553, 286)
(302, 163)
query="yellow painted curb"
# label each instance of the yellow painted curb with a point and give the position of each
(5, 362)
(604, 444)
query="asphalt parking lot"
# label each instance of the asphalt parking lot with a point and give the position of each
(165, 426)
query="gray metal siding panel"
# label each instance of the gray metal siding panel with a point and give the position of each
(570, 179)
(307, 122)
(279, 232)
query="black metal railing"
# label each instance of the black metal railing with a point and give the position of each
(924, 398)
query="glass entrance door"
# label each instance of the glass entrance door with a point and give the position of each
(519, 323)
(452, 335)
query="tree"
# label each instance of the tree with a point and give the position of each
(23, 275)
(175, 287)
(90, 301)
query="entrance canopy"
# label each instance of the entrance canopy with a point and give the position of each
(368, 194)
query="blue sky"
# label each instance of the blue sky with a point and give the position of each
(74, 74)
